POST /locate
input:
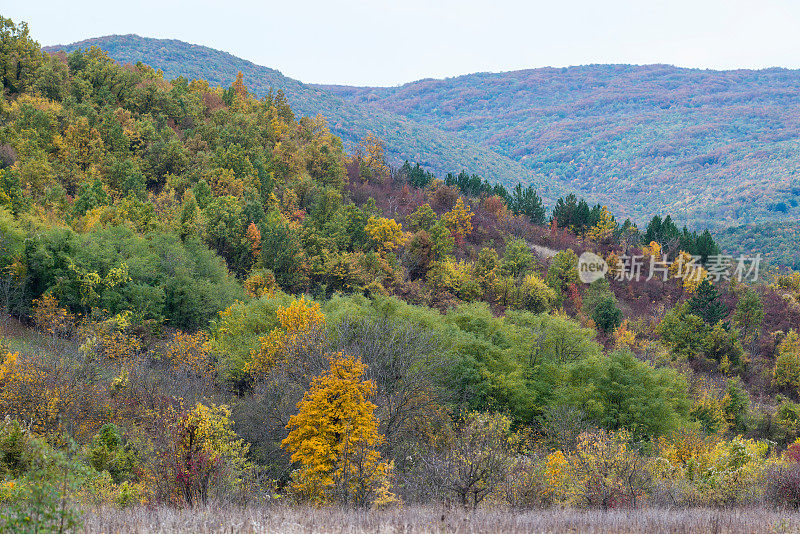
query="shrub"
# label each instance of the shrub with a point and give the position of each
(535, 295)
(36, 492)
(197, 452)
(782, 485)
(476, 459)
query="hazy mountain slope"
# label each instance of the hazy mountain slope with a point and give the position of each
(405, 138)
(714, 147)
(777, 242)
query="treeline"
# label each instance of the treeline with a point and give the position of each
(572, 213)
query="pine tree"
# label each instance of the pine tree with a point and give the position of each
(707, 304)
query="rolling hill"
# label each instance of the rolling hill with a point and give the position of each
(406, 139)
(715, 148)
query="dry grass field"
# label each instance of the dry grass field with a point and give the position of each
(412, 520)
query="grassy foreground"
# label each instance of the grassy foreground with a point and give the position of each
(431, 519)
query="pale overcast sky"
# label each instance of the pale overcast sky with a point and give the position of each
(369, 42)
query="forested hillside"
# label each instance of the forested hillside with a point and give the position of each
(406, 139)
(206, 298)
(776, 241)
(714, 148)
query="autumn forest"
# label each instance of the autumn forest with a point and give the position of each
(207, 299)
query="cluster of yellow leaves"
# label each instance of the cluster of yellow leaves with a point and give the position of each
(33, 391)
(259, 283)
(101, 490)
(604, 230)
(223, 182)
(8, 365)
(450, 274)
(708, 406)
(458, 221)
(334, 437)
(110, 339)
(50, 318)
(557, 475)
(300, 325)
(372, 160)
(194, 448)
(652, 250)
(684, 268)
(681, 450)
(604, 468)
(623, 336)
(704, 470)
(81, 149)
(688, 270)
(213, 430)
(387, 234)
(190, 352)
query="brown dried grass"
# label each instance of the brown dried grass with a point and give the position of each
(412, 519)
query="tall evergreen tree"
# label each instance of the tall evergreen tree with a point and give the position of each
(707, 304)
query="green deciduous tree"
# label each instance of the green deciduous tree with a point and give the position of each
(619, 391)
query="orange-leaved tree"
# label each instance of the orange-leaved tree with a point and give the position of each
(334, 437)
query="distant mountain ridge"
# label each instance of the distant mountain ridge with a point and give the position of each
(714, 148)
(405, 139)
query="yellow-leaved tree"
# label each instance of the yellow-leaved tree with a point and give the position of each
(370, 158)
(387, 234)
(687, 269)
(604, 230)
(334, 439)
(458, 221)
(787, 365)
(298, 341)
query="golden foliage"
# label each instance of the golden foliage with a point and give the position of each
(652, 250)
(786, 372)
(301, 322)
(604, 230)
(458, 221)
(334, 437)
(259, 283)
(686, 268)
(48, 398)
(702, 470)
(623, 336)
(190, 352)
(370, 156)
(50, 318)
(110, 339)
(387, 234)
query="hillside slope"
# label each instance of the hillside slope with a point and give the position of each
(713, 147)
(405, 138)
